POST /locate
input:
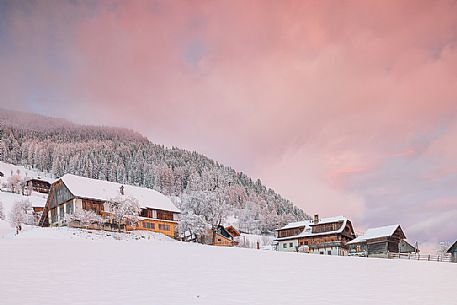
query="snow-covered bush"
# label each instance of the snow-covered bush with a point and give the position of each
(84, 218)
(124, 210)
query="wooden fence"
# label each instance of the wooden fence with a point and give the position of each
(422, 257)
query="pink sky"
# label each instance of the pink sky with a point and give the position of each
(344, 107)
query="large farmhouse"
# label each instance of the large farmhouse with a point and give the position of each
(381, 241)
(322, 236)
(72, 193)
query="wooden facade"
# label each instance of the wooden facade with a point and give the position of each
(224, 237)
(38, 185)
(381, 245)
(453, 251)
(327, 236)
(61, 202)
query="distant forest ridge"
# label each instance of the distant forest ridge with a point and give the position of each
(122, 155)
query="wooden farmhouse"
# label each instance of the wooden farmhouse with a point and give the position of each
(327, 236)
(453, 251)
(72, 193)
(379, 242)
(40, 185)
(226, 236)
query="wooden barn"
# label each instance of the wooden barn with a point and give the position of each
(72, 193)
(453, 251)
(381, 241)
(327, 236)
(225, 236)
(40, 185)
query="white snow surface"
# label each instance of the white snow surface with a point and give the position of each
(9, 199)
(375, 233)
(39, 268)
(7, 169)
(105, 190)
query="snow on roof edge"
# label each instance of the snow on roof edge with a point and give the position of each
(105, 190)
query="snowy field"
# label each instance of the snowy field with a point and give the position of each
(49, 266)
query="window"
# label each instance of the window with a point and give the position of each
(284, 245)
(164, 227)
(165, 215)
(54, 215)
(69, 208)
(61, 212)
(291, 245)
(329, 252)
(148, 225)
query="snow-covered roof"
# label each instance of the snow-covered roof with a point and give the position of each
(104, 190)
(375, 233)
(308, 224)
(46, 179)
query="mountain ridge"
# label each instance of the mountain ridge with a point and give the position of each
(60, 146)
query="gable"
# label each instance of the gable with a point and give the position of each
(58, 194)
(222, 231)
(453, 248)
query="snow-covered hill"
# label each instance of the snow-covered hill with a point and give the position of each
(39, 269)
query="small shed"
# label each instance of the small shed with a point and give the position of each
(223, 238)
(453, 251)
(234, 232)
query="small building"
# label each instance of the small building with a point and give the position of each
(40, 185)
(71, 193)
(381, 241)
(453, 251)
(225, 236)
(327, 236)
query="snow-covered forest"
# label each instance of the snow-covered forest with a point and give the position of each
(58, 146)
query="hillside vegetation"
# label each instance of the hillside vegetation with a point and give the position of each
(114, 154)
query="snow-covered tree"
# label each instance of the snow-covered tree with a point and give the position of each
(442, 248)
(21, 213)
(14, 182)
(124, 210)
(124, 156)
(191, 225)
(2, 212)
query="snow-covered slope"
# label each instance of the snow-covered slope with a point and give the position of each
(9, 169)
(9, 199)
(43, 270)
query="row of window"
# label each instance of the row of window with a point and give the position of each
(150, 225)
(284, 245)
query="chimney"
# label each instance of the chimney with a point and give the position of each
(316, 219)
(121, 190)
